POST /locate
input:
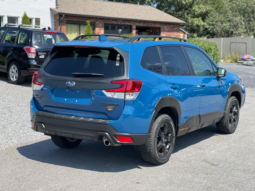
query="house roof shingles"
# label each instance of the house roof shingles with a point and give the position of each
(106, 9)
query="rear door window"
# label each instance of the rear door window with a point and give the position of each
(23, 38)
(10, 36)
(151, 60)
(47, 40)
(88, 62)
(174, 61)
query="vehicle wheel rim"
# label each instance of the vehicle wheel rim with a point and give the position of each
(13, 73)
(233, 116)
(164, 140)
(71, 139)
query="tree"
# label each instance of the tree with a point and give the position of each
(25, 19)
(236, 18)
(193, 12)
(88, 30)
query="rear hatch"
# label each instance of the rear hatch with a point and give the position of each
(43, 41)
(75, 79)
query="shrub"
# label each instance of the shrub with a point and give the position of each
(25, 19)
(235, 57)
(127, 35)
(88, 30)
(210, 48)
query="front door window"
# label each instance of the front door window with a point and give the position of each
(212, 99)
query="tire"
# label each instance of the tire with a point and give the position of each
(161, 142)
(64, 142)
(229, 122)
(14, 74)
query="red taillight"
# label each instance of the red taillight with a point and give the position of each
(124, 139)
(50, 32)
(35, 84)
(32, 125)
(127, 86)
(128, 90)
(34, 80)
(31, 51)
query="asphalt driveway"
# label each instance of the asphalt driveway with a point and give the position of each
(202, 160)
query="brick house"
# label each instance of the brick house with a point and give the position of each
(107, 17)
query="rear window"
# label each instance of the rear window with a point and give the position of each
(95, 62)
(47, 40)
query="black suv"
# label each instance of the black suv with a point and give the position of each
(23, 50)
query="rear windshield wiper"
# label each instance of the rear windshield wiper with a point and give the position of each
(76, 74)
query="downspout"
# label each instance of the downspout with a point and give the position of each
(60, 22)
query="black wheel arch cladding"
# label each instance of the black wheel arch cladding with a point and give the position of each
(166, 102)
(235, 89)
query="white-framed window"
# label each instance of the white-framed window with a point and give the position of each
(31, 21)
(181, 35)
(1, 21)
(12, 20)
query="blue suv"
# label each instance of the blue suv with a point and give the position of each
(132, 92)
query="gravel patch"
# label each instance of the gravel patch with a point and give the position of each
(15, 113)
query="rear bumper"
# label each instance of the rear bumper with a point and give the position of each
(29, 71)
(81, 128)
(33, 67)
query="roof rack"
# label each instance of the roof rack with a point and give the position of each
(155, 38)
(101, 37)
(27, 26)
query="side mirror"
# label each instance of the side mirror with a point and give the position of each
(221, 72)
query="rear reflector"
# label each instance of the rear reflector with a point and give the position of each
(124, 139)
(31, 52)
(128, 90)
(35, 84)
(33, 70)
(50, 32)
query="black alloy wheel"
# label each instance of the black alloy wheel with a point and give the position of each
(164, 141)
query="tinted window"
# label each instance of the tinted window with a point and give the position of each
(175, 61)
(10, 36)
(47, 40)
(69, 60)
(201, 64)
(151, 60)
(1, 33)
(23, 38)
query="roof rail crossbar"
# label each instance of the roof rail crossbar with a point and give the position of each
(10, 24)
(101, 37)
(25, 25)
(155, 38)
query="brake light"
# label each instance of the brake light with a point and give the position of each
(50, 32)
(31, 52)
(124, 139)
(35, 84)
(128, 90)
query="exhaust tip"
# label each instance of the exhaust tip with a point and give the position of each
(106, 141)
